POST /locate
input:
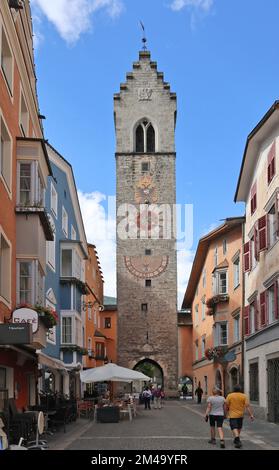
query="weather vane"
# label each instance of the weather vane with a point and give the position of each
(144, 40)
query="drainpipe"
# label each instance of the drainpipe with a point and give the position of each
(242, 309)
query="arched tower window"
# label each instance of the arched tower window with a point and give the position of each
(145, 137)
(140, 139)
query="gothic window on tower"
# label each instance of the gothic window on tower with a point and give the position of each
(145, 138)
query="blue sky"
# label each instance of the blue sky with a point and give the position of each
(221, 58)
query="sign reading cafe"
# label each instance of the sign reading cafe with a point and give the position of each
(26, 315)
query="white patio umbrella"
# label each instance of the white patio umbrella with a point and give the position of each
(112, 372)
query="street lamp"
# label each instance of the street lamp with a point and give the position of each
(91, 304)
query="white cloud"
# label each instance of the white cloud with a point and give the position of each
(74, 17)
(203, 5)
(100, 231)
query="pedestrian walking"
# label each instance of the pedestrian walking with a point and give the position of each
(185, 391)
(158, 398)
(237, 402)
(199, 393)
(216, 412)
(146, 394)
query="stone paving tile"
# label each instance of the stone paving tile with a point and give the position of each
(178, 426)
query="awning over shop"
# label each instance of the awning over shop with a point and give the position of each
(51, 362)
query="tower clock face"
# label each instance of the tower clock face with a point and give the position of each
(146, 191)
(146, 267)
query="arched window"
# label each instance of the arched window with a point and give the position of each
(150, 145)
(145, 137)
(140, 139)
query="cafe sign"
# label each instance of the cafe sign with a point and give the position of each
(24, 316)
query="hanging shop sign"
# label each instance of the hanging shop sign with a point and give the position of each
(26, 315)
(11, 334)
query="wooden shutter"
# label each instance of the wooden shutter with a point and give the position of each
(256, 307)
(263, 308)
(256, 241)
(262, 224)
(247, 257)
(271, 163)
(246, 317)
(253, 198)
(277, 213)
(276, 302)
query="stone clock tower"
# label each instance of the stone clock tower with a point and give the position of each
(145, 117)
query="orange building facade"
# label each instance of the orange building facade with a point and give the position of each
(214, 295)
(24, 168)
(92, 306)
(109, 328)
(185, 345)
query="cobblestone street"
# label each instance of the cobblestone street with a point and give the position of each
(178, 426)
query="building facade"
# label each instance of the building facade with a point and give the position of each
(65, 282)
(109, 327)
(94, 340)
(24, 226)
(214, 295)
(145, 118)
(258, 187)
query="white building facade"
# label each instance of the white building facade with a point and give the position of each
(258, 187)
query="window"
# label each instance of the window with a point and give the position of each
(253, 196)
(204, 278)
(71, 263)
(236, 273)
(30, 283)
(203, 346)
(203, 309)
(196, 315)
(197, 350)
(254, 381)
(50, 247)
(145, 137)
(31, 189)
(95, 317)
(148, 283)
(148, 252)
(222, 282)
(5, 268)
(236, 328)
(108, 322)
(224, 247)
(89, 345)
(221, 334)
(25, 283)
(253, 253)
(7, 62)
(53, 199)
(73, 233)
(64, 221)
(24, 116)
(145, 167)
(25, 184)
(272, 226)
(271, 163)
(144, 307)
(215, 256)
(271, 304)
(5, 154)
(100, 351)
(67, 333)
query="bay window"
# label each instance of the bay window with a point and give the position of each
(31, 189)
(71, 263)
(30, 283)
(71, 328)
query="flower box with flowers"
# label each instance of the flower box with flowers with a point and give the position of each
(48, 316)
(216, 353)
